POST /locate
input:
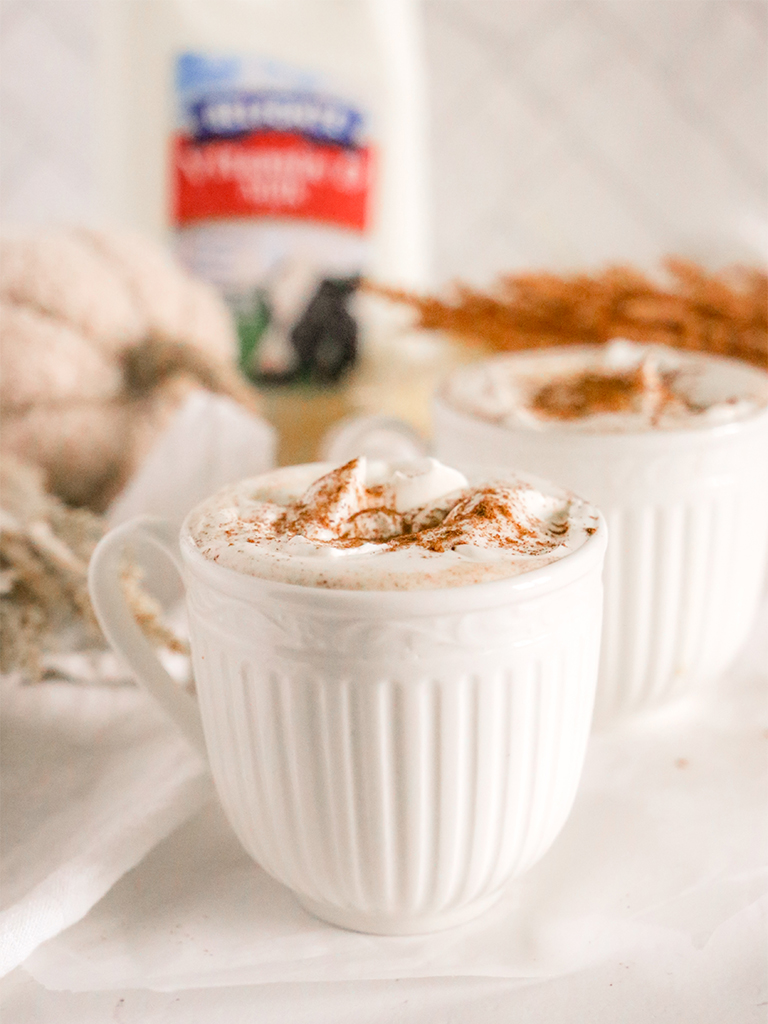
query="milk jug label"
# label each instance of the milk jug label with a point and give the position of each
(271, 175)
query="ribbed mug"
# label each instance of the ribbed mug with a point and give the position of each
(394, 758)
(688, 534)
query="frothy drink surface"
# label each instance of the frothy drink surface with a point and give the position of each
(372, 525)
(623, 386)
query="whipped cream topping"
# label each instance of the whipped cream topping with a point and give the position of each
(377, 525)
(622, 386)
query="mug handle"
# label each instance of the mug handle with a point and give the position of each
(121, 629)
(379, 437)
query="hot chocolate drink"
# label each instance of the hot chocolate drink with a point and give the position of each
(374, 525)
(621, 387)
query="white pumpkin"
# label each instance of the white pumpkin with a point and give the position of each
(80, 312)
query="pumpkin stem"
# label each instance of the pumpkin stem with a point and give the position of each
(156, 360)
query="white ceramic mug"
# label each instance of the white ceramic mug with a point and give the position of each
(688, 534)
(394, 758)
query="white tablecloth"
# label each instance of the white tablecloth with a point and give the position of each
(651, 906)
(723, 983)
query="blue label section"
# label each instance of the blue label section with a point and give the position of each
(200, 71)
(234, 113)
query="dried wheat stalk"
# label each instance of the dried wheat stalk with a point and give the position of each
(45, 547)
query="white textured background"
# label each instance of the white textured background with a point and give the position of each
(563, 132)
(47, 110)
(586, 130)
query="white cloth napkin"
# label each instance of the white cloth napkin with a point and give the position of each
(209, 443)
(667, 843)
(91, 778)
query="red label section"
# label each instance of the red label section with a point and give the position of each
(270, 174)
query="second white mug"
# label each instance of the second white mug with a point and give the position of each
(688, 532)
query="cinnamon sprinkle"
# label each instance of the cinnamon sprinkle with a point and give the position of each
(593, 392)
(500, 528)
(338, 508)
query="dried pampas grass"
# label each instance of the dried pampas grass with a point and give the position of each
(724, 313)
